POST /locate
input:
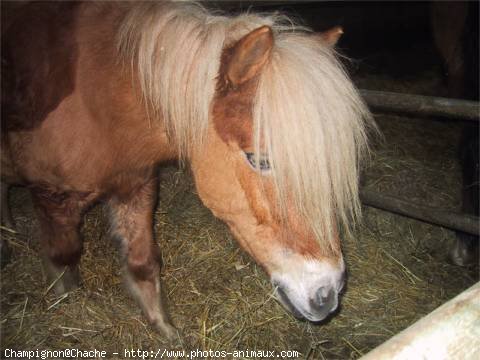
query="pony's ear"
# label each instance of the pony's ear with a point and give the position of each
(249, 55)
(330, 37)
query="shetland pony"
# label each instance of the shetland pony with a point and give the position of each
(96, 95)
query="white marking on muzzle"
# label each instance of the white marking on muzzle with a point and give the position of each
(303, 281)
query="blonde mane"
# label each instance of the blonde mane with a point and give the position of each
(311, 120)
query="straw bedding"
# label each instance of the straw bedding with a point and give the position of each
(219, 298)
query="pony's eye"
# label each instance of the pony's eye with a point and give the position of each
(264, 164)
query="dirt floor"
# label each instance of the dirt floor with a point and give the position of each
(220, 299)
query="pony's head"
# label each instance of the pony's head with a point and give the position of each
(273, 129)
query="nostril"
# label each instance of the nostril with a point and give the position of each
(325, 300)
(324, 296)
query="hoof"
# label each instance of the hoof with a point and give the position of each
(465, 250)
(62, 279)
(167, 330)
(68, 282)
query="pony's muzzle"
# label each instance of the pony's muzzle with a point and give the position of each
(311, 298)
(324, 302)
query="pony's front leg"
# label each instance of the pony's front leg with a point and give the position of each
(60, 215)
(132, 226)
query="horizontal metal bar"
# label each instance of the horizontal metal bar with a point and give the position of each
(422, 105)
(448, 219)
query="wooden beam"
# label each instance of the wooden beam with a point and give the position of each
(452, 331)
(463, 222)
(422, 105)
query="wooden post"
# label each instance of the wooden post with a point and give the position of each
(463, 222)
(450, 332)
(422, 105)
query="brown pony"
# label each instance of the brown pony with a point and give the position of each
(96, 95)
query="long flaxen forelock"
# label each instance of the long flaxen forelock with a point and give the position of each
(313, 125)
(308, 116)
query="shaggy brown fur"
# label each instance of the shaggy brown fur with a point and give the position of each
(28, 65)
